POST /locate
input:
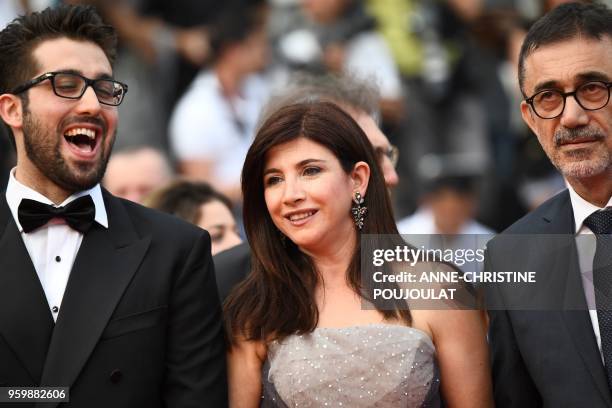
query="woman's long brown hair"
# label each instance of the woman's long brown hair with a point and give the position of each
(277, 297)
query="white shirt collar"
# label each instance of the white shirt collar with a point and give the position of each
(582, 208)
(16, 191)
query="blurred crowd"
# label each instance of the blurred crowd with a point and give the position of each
(200, 73)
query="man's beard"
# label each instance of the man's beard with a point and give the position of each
(586, 162)
(43, 148)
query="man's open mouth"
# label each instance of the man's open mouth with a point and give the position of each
(83, 139)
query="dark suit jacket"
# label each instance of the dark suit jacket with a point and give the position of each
(140, 322)
(547, 357)
(231, 267)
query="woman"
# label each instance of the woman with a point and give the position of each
(299, 335)
(200, 204)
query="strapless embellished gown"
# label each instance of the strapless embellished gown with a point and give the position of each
(378, 365)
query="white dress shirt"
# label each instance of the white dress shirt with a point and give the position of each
(54, 246)
(585, 243)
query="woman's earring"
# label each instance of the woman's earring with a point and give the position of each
(359, 211)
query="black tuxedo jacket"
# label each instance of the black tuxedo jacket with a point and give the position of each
(139, 325)
(547, 357)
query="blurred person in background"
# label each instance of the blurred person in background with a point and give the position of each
(201, 205)
(214, 122)
(338, 36)
(444, 124)
(357, 98)
(445, 218)
(135, 172)
(448, 207)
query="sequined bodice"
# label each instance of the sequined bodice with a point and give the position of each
(377, 365)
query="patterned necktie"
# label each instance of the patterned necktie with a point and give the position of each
(79, 214)
(600, 223)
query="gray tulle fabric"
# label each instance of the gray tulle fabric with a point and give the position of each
(378, 365)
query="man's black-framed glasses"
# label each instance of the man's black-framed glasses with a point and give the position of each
(550, 103)
(391, 152)
(72, 86)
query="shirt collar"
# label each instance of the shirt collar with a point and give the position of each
(16, 191)
(582, 208)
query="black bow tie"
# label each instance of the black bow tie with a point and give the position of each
(79, 214)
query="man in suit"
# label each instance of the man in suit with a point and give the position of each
(557, 350)
(359, 100)
(98, 294)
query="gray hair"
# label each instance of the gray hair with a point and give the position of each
(347, 91)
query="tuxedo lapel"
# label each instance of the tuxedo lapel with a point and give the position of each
(560, 220)
(104, 266)
(25, 319)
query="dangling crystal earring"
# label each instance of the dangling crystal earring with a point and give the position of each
(359, 211)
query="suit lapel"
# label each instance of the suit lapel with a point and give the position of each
(560, 220)
(104, 266)
(25, 319)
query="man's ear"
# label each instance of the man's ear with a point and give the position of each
(528, 115)
(360, 177)
(11, 110)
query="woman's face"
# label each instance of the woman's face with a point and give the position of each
(217, 219)
(309, 195)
